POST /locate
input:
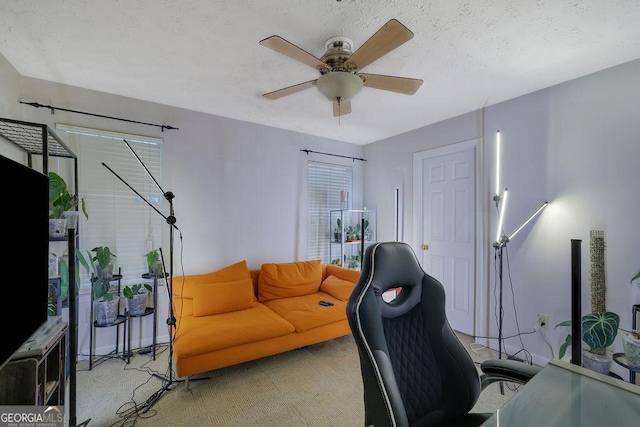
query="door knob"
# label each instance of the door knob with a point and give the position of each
(425, 247)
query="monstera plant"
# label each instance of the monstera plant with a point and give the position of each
(599, 331)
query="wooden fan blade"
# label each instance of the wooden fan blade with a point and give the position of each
(284, 47)
(290, 90)
(341, 109)
(392, 83)
(390, 36)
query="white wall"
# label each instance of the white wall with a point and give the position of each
(576, 145)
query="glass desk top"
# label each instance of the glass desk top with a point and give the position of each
(563, 394)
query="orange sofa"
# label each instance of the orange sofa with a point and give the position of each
(235, 315)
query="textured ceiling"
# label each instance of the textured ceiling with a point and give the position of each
(204, 55)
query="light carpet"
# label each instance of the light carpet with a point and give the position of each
(318, 385)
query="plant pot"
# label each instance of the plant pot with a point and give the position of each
(631, 347)
(57, 227)
(156, 271)
(106, 273)
(72, 219)
(596, 362)
(137, 305)
(106, 311)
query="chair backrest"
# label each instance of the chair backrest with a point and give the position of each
(414, 367)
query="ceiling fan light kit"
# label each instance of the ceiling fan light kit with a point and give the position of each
(339, 68)
(339, 86)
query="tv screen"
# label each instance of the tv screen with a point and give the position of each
(25, 253)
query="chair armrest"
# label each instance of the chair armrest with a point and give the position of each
(506, 370)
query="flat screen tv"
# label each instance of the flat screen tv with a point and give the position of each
(25, 253)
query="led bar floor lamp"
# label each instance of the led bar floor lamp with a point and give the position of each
(501, 238)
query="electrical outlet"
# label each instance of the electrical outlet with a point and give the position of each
(543, 321)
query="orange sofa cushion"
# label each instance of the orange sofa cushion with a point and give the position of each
(289, 279)
(339, 288)
(198, 335)
(223, 297)
(230, 273)
(305, 313)
(184, 287)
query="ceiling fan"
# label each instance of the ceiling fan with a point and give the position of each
(340, 77)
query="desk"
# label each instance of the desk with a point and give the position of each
(563, 394)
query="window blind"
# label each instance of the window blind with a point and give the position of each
(118, 217)
(325, 182)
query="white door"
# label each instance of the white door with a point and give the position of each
(445, 225)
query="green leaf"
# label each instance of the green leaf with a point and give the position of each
(599, 330)
(103, 256)
(100, 289)
(52, 310)
(564, 346)
(635, 277)
(153, 257)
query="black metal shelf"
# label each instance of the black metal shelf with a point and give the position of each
(119, 320)
(147, 311)
(40, 140)
(35, 138)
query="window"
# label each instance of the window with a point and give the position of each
(118, 217)
(326, 184)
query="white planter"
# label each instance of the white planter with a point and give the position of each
(72, 219)
(106, 311)
(57, 227)
(596, 362)
(106, 273)
(631, 347)
(137, 305)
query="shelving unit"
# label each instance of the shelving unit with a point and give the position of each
(351, 232)
(38, 140)
(120, 320)
(36, 373)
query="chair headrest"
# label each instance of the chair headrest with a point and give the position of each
(389, 265)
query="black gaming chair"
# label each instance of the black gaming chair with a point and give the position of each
(415, 371)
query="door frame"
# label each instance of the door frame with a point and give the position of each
(481, 297)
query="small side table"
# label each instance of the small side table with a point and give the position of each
(619, 357)
(622, 361)
(148, 311)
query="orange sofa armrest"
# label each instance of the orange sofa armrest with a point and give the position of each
(343, 273)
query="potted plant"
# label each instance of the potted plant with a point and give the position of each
(62, 204)
(105, 303)
(366, 232)
(153, 262)
(599, 331)
(337, 232)
(102, 262)
(137, 298)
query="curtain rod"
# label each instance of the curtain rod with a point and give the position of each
(37, 105)
(335, 155)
